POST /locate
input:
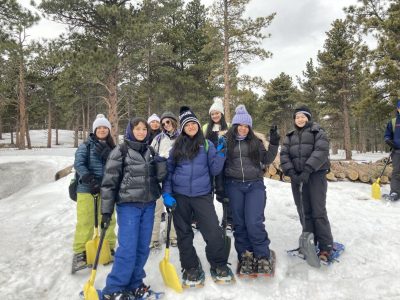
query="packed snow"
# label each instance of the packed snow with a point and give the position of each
(37, 223)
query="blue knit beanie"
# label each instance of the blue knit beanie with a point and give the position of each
(242, 116)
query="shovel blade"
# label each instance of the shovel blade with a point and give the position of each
(169, 274)
(307, 248)
(89, 291)
(91, 249)
(376, 190)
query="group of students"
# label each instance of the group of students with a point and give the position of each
(227, 158)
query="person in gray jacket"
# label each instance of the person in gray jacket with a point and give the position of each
(305, 159)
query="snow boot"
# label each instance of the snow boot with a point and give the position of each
(222, 275)
(144, 292)
(193, 277)
(391, 197)
(246, 265)
(79, 262)
(264, 266)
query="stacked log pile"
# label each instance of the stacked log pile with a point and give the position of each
(341, 171)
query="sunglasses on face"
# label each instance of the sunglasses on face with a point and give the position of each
(167, 122)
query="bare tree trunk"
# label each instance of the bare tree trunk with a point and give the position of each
(346, 128)
(1, 128)
(21, 106)
(76, 135)
(335, 148)
(28, 137)
(84, 128)
(49, 120)
(227, 90)
(56, 125)
(113, 104)
(11, 135)
(17, 136)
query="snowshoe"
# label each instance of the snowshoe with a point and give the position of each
(265, 267)
(145, 293)
(332, 257)
(193, 277)
(245, 267)
(390, 197)
(79, 262)
(222, 275)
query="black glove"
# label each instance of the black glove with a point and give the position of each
(274, 136)
(390, 143)
(92, 182)
(105, 221)
(103, 150)
(304, 177)
(291, 173)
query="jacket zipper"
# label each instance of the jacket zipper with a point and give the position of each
(241, 162)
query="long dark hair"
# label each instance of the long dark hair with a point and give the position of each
(210, 125)
(252, 140)
(185, 147)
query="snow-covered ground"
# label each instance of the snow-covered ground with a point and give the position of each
(37, 222)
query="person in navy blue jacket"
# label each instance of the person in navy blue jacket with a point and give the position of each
(392, 139)
(192, 162)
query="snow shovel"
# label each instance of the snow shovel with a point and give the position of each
(306, 239)
(167, 269)
(227, 239)
(89, 291)
(376, 187)
(92, 245)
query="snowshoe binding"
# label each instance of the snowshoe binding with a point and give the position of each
(79, 262)
(265, 267)
(222, 275)
(390, 197)
(193, 277)
(330, 257)
(145, 293)
(245, 268)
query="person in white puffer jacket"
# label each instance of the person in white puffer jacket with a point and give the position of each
(162, 145)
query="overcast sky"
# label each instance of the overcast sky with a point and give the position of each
(298, 32)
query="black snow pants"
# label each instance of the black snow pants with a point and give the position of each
(202, 207)
(314, 205)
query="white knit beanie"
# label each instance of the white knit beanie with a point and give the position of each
(152, 118)
(101, 120)
(217, 106)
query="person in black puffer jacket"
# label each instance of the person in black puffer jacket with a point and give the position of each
(130, 182)
(305, 158)
(246, 192)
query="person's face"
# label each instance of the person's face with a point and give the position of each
(243, 130)
(300, 120)
(167, 124)
(154, 125)
(191, 128)
(216, 116)
(140, 132)
(102, 132)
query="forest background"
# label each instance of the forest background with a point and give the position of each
(133, 58)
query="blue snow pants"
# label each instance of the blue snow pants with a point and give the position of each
(247, 201)
(135, 225)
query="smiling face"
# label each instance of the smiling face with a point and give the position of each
(191, 128)
(140, 132)
(216, 116)
(167, 124)
(300, 120)
(243, 130)
(102, 132)
(154, 125)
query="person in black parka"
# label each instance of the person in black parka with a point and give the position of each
(305, 158)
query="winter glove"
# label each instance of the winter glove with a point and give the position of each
(390, 143)
(92, 182)
(304, 177)
(103, 150)
(169, 201)
(274, 136)
(291, 173)
(105, 221)
(221, 146)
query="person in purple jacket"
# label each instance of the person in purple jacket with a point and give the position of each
(187, 190)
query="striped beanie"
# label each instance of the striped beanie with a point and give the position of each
(186, 115)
